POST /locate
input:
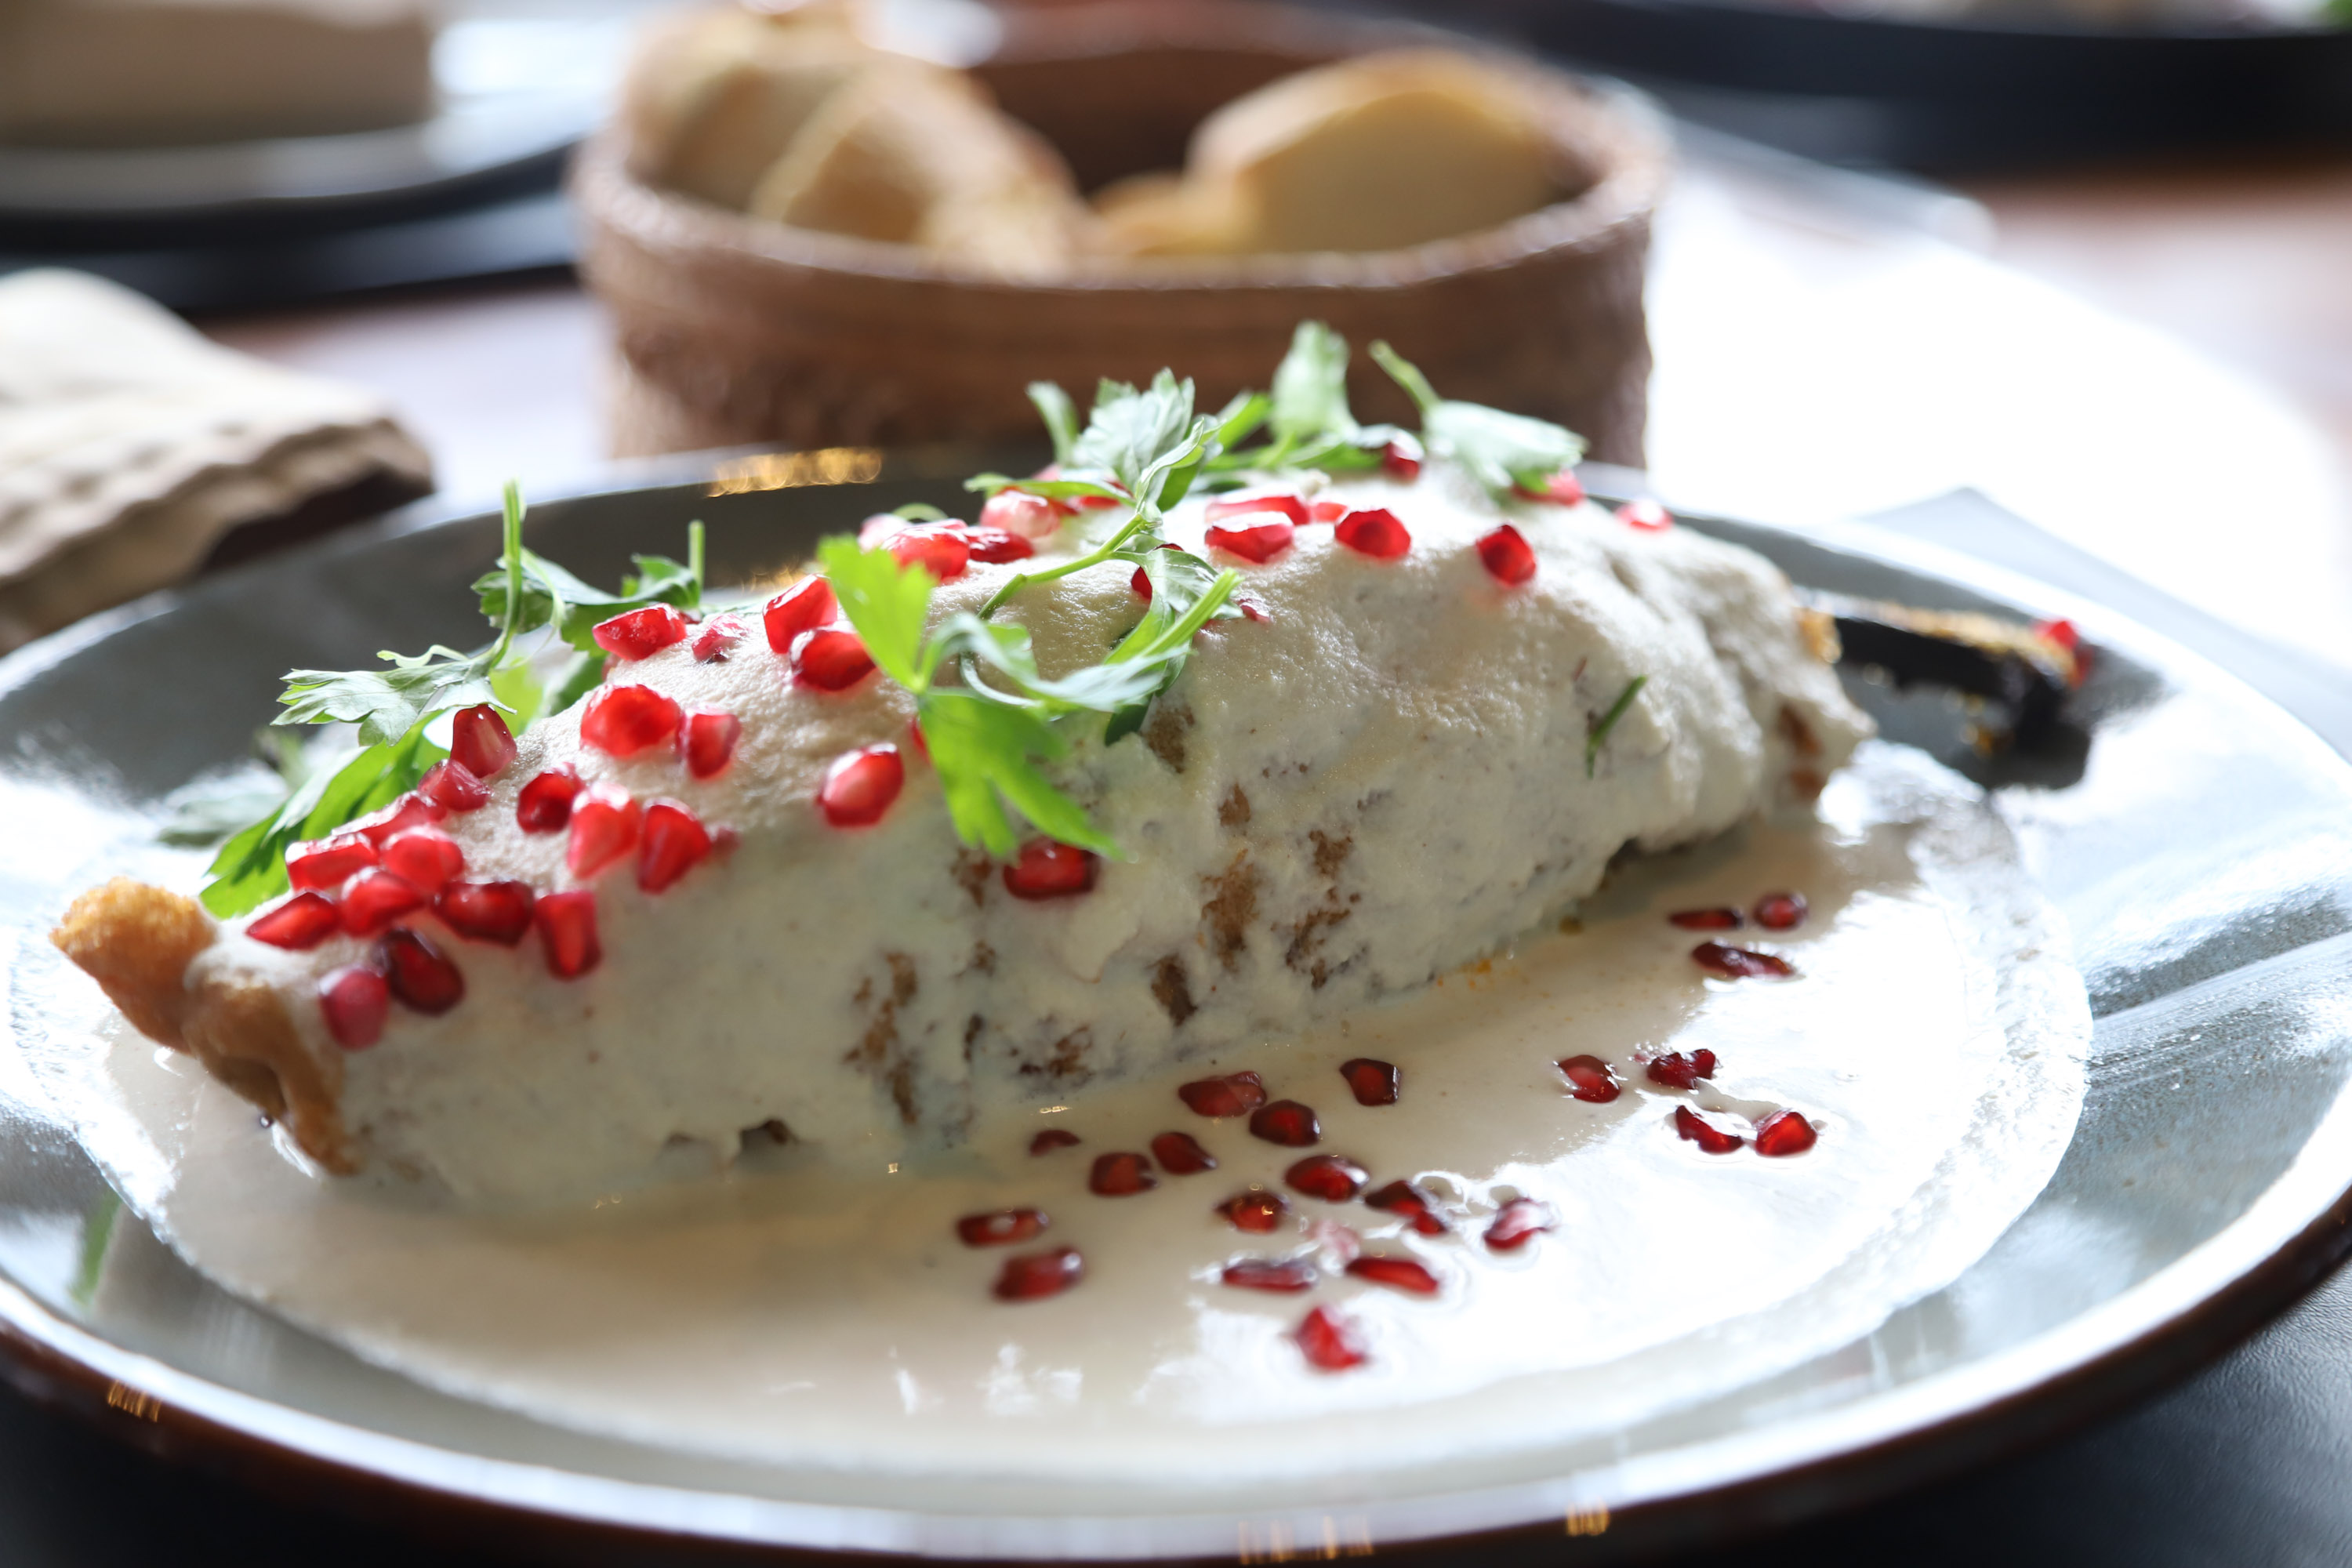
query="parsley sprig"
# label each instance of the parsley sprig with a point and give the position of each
(990, 717)
(1504, 452)
(394, 707)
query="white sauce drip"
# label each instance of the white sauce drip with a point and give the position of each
(824, 1316)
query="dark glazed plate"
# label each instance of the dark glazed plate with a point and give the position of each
(2198, 837)
(1835, 83)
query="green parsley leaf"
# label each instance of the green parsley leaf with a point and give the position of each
(1599, 733)
(1501, 451)
(250, 869)
(1060, 415)
(885, 602)
(986, 754)
(1310, 387)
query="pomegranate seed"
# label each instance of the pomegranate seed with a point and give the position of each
(480, 742)
(1180, 1154)
(1235, 1094)
(2067, 634)
(1049, 871)
(1507, 557)
(1252, 610)
(1376, 533)
(1286, 1122)
(1328, 1341)
(354, 1002)
(1689, 1124)
(636, 633)
(1707, 919)
(1400, 461)
(1331, 1177)
(1405, 1198)
(1051, 1138)
(567, 930)
(544, 806)
(622, 720)
(1019, 512)
(1257, 545)
(1591, 1080)
(451, 785)
(604, 823)
(860, 785)
(301, 923)
(711, 737)
(409, 811)
(1396, 1273)
(1286, 1275)
(1373, 1082)
(716, 639)
(487, 911)
(996, 546)
(830, 660)
(1517, 1223)
(328, 862)
(802, 607)
(1784, 1133)
(1003, 1228)
(1328, 511)
(1780, 911)
(1256, 1211)
(1646, 515)
(1120, 1176)
(421, 976)
(1740, 963)
(425, 858)
(1289, 506)
(1038, 1274)
(939, 549)
(373, 900)
(1677, 1070)
(672, 842)
(1562, 488)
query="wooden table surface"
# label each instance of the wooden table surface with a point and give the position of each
(2154, 363)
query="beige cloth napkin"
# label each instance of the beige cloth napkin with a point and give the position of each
(128, 445)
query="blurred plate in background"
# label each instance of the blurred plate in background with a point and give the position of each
(1948, 96)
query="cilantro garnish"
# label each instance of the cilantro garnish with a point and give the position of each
(393, 707)
(1599, 733)
(1502, 451)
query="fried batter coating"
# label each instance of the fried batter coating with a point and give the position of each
(137, 941)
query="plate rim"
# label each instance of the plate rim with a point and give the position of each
(2153, 1334)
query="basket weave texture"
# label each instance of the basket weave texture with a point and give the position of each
(735, 331)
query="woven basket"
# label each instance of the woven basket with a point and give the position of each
(736, 332)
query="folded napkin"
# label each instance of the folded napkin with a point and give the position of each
(130, 446)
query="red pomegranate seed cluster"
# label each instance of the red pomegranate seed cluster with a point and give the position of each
(1375, 532)
(1330, 1177)
(1707, 919)
(1507, 557)
(1258, 544)
(1287, 1274)
(1006, 1228)
(1591, 1080)
(1045, 869)
(1405, 1198)
(1680, 1069)
(1235, 1094)
(1372, 1082)
(1740, 963)
(1647, 516)
(1780, 911)
(1051, 1138)
(1562, 488)
(1180, 1154)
